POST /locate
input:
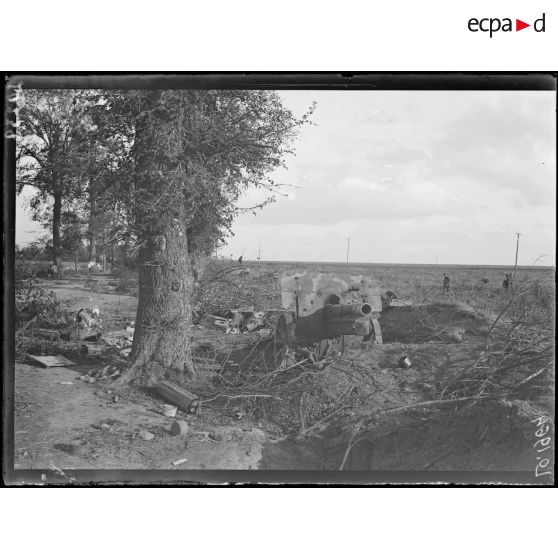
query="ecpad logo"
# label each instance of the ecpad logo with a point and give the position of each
(493, 25)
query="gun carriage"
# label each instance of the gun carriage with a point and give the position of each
(323, 313)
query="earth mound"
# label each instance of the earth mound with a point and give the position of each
(447, 322)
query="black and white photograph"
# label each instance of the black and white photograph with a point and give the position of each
(278, 278)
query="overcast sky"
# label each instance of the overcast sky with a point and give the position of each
(414, 175)
(409, 176)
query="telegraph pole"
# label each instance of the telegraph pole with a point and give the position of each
(516, 252)
(348, 245)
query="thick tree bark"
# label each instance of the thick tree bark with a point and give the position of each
(56, 220)
(162, 333)
(161, 345)
(93, 223)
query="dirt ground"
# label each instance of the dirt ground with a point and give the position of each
(50, 412)
(55, 406)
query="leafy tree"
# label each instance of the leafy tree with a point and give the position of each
(161, 169)
(50, 126)
(192, 155)
(72, 233)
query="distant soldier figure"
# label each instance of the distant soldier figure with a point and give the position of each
(53, 271)
(484, 281)
(506, 282)
(58, 266)
(446, 284)
(240, 260)
(510, 280)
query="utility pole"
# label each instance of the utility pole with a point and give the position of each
(348, 245)
(516, 252)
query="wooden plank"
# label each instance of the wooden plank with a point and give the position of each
(49, 361)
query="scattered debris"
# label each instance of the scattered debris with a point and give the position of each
(404, 362)
(146, 435)
(387, 299)
(179, 428)
(169, 410)
(87, 318)
(239, 415)
(222, 323)
(50, 361)
(184, 400)
(108, 371)
(120, 338)
(66, 383)
(236, 320)
(90, 335)
(239, 320)
(130, 333)
(255, 321)
(179, 462)
(265, 332)
(89, 325)
(102, 371)
(91, 348)
(51, 334)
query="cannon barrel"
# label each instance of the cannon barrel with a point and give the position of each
(332, 321)
(344, 312)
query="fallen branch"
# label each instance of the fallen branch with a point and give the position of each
(426, 404)
(350, 446)
(243, 396)
(298, 363)
(316, 424)
(529, 378)
(219, 275)
(27, 324)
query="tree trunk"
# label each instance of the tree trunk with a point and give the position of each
(161, 346)
(56, 219)
(92, 223)
(162, 331)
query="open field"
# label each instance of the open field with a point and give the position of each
(482, 371)
(407, 278)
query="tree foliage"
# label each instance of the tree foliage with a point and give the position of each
(197, 151)
(51, 126)
(200, 150)
(162, 168)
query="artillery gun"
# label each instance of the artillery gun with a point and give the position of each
(323, 313)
